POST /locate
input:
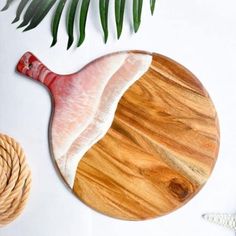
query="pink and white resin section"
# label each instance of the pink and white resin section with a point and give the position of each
(84, 102)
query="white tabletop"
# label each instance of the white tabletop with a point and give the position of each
(199, 34)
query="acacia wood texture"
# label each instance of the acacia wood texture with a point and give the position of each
(160, 150)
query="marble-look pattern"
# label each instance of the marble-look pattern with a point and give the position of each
(84, 102)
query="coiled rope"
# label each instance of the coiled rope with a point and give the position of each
(15, 180)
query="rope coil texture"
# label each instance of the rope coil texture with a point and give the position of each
(15, 180)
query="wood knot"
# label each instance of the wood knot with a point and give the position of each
(180, 189)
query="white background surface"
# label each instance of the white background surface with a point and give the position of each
(199, 34)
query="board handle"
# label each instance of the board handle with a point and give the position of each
(32, 67)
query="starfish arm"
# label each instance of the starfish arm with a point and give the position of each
(226, 220)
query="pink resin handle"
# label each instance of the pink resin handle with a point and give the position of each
(32, 67)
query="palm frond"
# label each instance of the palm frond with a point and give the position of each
(119, 15)
(33, 7)
(8, 3)
(152, 5)
(37, 10)
(103, 7)
(20, 9)
(43, 9)
(56, 20)
(70, 23)
(83, 18)
(137, 12)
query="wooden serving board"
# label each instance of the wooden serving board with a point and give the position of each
(160, 150)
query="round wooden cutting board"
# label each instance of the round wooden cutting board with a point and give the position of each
(160, 150)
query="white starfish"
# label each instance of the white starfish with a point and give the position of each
(226, 220)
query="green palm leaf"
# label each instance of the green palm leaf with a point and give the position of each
(56, 20)
(8, 3)
(152, 5)
(83, 18)
(119, 14)
(70, 24)
(103, 7)
(30, 13)
(20, 9)
(137, 12)
(37, 10)
(43, 9)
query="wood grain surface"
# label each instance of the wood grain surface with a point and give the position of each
(160, 150)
